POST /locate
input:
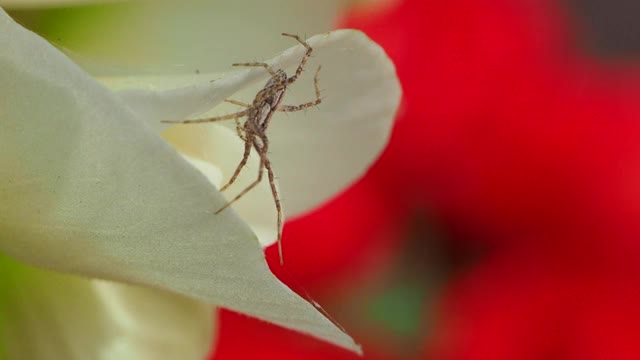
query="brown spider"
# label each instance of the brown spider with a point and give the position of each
(254, 130)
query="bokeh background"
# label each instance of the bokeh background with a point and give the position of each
(503, 219)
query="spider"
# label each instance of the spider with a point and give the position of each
(258, 116)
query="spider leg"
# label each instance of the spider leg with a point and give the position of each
(243, 162)
(239, 130)
(304, 58)
(236, 102)
(276, 199)
(207, 120)
(262, 150)
(246, 190)
(257, 64)
(266, 164)
(317, 101)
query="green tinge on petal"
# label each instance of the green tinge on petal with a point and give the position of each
(47, 315)
(169, 36)
(88, 188)
(31, 4)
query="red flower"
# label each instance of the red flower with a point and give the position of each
(462, 64)
(507, 129)
(526, 304)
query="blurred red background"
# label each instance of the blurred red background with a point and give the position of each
(502, 221)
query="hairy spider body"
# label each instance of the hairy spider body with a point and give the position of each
(267, 101)
(258, 116)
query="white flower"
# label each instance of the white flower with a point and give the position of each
(88, 187)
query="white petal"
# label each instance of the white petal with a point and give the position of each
(318, 152)
(48, 315)
(148, 99)
(86, 187)
(211, 172)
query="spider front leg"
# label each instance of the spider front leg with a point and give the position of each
(236, 102)
(207, 120)
(317, 101)
(305, 57)
(257, 64)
